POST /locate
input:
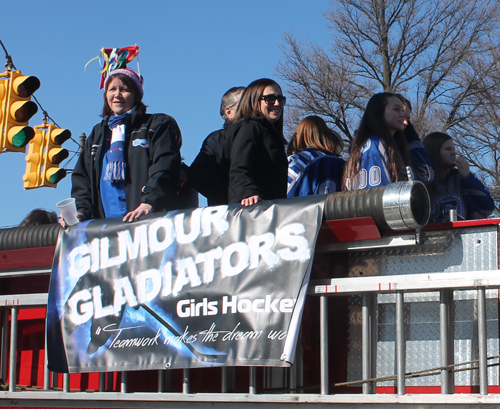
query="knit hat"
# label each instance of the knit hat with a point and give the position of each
(115, 62)
(138, 81)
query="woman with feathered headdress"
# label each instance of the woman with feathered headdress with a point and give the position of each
(129, 166)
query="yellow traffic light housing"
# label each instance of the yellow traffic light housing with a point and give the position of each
(53, 155)
(44, 156)
(34, 160)
(4, 86)
(16, 110)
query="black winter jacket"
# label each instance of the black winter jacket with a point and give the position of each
(258, 160)
(209, 172)
(153, 161)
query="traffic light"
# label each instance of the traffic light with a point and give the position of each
(16, 110)
(4, 86)
(53, 155)
(34, 159)
(44, 156)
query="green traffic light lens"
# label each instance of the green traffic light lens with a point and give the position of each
(57, 176)
(22, 138)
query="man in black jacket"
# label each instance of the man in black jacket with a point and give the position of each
(209, 172)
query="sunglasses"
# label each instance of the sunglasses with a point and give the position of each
(270, 99)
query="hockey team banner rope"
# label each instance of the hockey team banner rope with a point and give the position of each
(210, 286)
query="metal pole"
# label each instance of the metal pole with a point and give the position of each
(161, 380)
(292, 376)
(443, 329)
(5, 344)
(481, 322)
(323, 343)
(298, 364)
(83, 138)
(13, 345)
(252, 388)
(400, 344)
(373, 341)
(365, 342)
(451, 341)
(168, 381)
(124, 379)
(185, 380)
(46, 372)
(66, 382)
(224, 380)
(102, 381)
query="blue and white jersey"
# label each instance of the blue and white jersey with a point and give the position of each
(374, 162)
(312, 172)
(374, 170)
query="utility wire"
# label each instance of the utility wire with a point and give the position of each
(9, 64)
(8, 58)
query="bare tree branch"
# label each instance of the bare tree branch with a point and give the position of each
(443, 55)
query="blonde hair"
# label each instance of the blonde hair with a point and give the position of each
(313, 132)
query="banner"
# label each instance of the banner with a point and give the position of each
(211, 286)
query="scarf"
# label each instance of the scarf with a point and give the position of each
(115, 169)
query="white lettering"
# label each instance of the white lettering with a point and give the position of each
(99, 311)
(260, 245)
(208, 259)
(124, 293)
(79, 261)
(290, 236)
(149, 285)
(195, 219)
(242, 253)
(166, 228)
(216, 217)
(139, 244)
(106, 261)
(80, 307)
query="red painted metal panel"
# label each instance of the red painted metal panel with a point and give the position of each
(361, 228)
(461, 224)
(27, 258)
(31, 313)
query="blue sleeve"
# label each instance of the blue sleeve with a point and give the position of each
(373, 165)
(323, 176)
(477, 198)
(421, 164)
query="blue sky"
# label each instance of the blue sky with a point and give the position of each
(191, 52)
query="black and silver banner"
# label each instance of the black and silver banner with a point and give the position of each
(211, 286)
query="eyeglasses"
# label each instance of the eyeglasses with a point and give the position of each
(270, 99)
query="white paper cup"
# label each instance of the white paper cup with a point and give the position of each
(67, 207)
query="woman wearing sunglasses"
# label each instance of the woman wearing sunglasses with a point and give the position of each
(259, 165)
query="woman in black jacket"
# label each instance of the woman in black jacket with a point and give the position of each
(259, 166)
(130, 163)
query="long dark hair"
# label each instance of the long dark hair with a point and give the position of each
(141, 108)
(432, 144)
(373, 124)
(250, 102)
(39, 216)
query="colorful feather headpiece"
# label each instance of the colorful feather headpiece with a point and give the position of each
(114, 59)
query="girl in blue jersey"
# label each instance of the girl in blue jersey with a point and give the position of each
(455, 186)
(384, 145)
(314, 165)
